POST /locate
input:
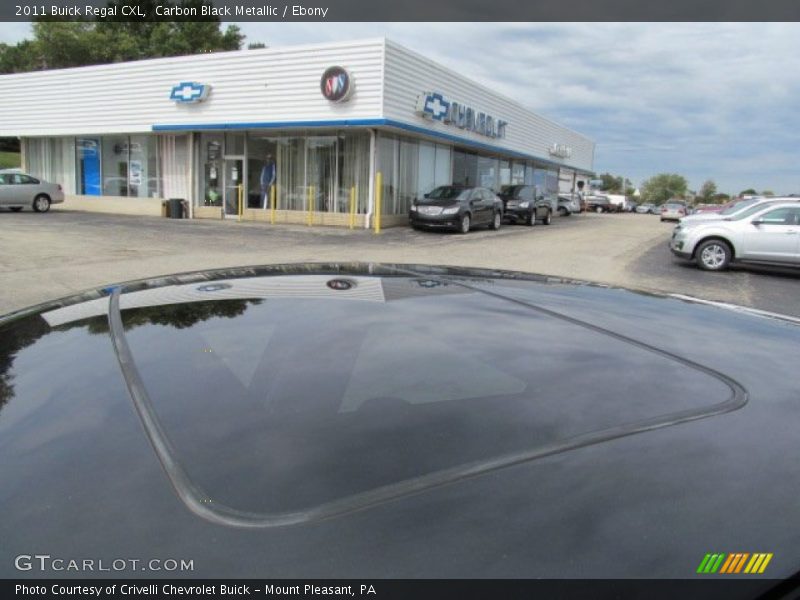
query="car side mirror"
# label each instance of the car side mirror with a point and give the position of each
(425, 195)
(757, 222)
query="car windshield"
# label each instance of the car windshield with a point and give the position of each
(733, 208)
(447, 192)
(511, 190)
(747, 212)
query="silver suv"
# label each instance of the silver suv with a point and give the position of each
(768, 234)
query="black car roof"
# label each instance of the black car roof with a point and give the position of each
(306, 395)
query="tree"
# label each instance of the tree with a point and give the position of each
(707, 190)
(660, 188)
(767, 193)
(611, 183)
(748, 192)
(60, 43)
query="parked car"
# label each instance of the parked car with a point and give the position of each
(731, 209)
(20, 190)
(768, 234)
(673, 211)
(568, 204)
(647, 208)
(457, 207)
(708, 208)
(287, 420)
(526, 204)
(600, 204)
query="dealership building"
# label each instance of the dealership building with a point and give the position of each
(328, 134)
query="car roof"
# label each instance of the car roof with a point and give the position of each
(342, 405)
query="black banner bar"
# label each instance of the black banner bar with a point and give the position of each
(404, 589)
(407, 10)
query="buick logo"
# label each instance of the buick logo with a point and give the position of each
(336, 84)
(340, 285)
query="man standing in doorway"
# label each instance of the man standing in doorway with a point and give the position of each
(267, 180)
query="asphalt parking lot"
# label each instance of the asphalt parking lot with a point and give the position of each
(46, 256)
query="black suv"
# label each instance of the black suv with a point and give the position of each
(526, 204)
(457, 207)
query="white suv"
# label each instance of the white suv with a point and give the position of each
(768, 233)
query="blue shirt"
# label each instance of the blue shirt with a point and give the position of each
(268, 174)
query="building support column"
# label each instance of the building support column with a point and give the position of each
(192, 182)
(371, 192)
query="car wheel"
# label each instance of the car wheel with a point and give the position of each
(562, 211)
(464, 225)
(16, 208)
(548, 218)
(598, 209)
(497, 220)
(41, 203)
(713, 255)
(530, 220)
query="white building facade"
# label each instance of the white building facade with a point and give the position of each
(326, 133)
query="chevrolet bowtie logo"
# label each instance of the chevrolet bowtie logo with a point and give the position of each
(188, 91)
(436, 106)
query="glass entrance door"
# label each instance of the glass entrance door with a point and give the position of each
(232, 184)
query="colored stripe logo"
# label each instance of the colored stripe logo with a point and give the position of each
(733, 563)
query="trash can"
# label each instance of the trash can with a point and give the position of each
(175, 208)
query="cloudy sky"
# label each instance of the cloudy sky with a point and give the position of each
(706, 100)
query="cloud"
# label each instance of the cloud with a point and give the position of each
(708, 100)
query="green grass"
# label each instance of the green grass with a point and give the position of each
(9, 160)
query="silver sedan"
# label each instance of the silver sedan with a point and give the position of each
(20, 190)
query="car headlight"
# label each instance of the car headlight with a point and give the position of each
(451, 210)
(524, 204)
(413, 208)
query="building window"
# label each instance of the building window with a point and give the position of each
(488, 176)
(444, 168)
(143, 172)
(398, 161)
(465, 168)
(426, 170)
(505, 174)
(173, 153)
(517, 173)
(353, 170)
(52, 159)
(318, 172)
(87, 167)
(211, 169)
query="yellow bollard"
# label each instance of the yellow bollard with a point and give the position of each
(352, 207)
(310, 216)
(241, 208)
(272, 205)
(378, 198)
